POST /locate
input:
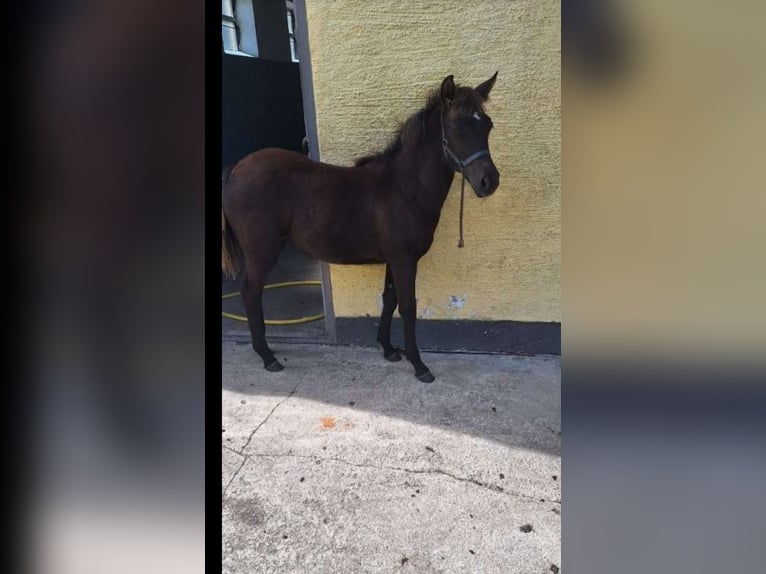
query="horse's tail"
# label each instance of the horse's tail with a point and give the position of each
(231, 252)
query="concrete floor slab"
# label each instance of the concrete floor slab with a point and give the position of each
(344, 462)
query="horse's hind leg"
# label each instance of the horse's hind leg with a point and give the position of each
(384, 329)
(257, 267)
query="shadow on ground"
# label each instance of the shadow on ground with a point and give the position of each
(510, 400)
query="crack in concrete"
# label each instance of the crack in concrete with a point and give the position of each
(241, 452)
(551, 429)
(268, 416)
(233, 476)
(543, 422)
(439, 471)
(234, 450)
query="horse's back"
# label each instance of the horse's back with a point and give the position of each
(259, 175)
(328, 211)
(293, 176)
(269, 163)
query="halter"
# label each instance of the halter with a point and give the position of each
(460, 165)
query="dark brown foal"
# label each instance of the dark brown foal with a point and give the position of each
(385, 209)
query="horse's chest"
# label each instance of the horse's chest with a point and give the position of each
(420, 237)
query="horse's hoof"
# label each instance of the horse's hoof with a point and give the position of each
(393, 356)
(274, 367)
(426, 377)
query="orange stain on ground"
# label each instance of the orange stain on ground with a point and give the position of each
(328, 422)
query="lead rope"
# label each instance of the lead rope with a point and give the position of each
(447, 153)
(462, 200)
(461, 164)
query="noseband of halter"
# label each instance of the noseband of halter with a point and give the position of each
(459, 166)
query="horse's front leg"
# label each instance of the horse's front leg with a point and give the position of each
(404, 273)
(384, 328)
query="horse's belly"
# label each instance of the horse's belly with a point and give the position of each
(363, 260)
(340, 251)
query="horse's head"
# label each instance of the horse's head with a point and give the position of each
(465, 137)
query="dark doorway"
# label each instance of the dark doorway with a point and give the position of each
(262, 106)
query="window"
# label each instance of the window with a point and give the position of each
(238, 28)
(291, 29)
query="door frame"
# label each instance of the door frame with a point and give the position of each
(309, 118)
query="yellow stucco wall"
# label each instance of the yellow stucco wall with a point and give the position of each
(373, 65)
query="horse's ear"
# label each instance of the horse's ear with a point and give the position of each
(486, 87)
(448, 89)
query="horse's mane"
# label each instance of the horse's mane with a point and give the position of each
(225, 173)
(466, 101)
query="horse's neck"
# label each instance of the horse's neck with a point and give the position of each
(426, 175)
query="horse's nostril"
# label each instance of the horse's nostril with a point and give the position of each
(484, 182)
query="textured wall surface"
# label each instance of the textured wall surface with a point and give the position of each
(374, 64)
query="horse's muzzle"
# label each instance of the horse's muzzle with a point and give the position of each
(486, 181)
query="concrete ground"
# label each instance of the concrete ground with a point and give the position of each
(345, 463)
